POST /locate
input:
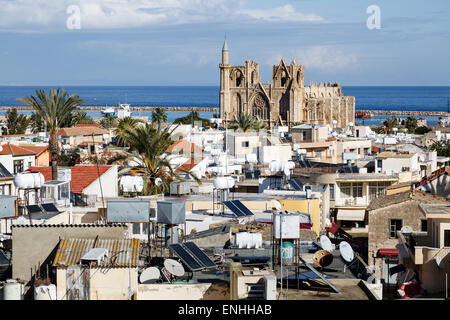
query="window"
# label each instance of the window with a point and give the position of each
(377, 189)
(351, 190)
(357, 189)
(379, 164)
(303, 135)
(245, 144)
(394, 226)
(331, 191)
(18, 166)
(423, 226)
(446, 238)
(346, 190)
(5, 189)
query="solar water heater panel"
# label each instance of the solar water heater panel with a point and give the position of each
(50, 207)
(34, 209)
(187, 259)
(197, 253)
(230, 205)
(242, 207)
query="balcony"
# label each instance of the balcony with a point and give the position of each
(352, 202)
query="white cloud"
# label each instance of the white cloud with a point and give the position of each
(111, 14)
(325, 58)
(285, 13)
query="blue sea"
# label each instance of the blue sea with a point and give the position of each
(382, 98)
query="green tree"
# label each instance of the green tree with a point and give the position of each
(191, 118)
(124, 126)
(159, 115)
(389, 124)
(422, 130)
(36, 123)
(108, 121)
(54, 108)
(71, 158)
(244, 122)
(15, 123)
(148, 145)
(442, 148)
(80, 117)
(411, 124)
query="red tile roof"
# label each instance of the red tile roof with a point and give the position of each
(95, 125)
(185, 146)
(16, 150)
(190, 164)
(82, 176)
(81, 131)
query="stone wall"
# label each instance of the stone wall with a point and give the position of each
(379, 233)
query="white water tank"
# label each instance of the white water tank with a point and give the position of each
(286, 225)
(131, 184)
(13, 290)
(223, 183)
(26, 180)
(45, 292)
(275, 166)
(248, 240)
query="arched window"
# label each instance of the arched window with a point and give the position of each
(253, 77)
(239, 78)
(260, 108)
(299, 77)
(283, 78)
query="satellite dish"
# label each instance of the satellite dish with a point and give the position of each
(174, 267)
(406, 230)
(346, 251)
(277, 205)
(326, 243)
(323, 258)
(150, 275)
(158, 181)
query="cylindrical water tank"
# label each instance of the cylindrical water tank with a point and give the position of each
(287, 252)
(45, 292)
(26, 180)
(131, 184)
(13, 290)
(223, 183)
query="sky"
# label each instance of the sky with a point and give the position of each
(178, 42)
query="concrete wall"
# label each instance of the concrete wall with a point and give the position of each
(112, 284)
(275, 153)
(195, 291)
(32, 245)
(109, 184)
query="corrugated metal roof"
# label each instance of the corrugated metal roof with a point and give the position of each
(121, 252)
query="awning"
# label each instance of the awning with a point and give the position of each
(351, 215)
(388, 252)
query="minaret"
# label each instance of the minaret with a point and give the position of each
(224, 100)
(225, 52)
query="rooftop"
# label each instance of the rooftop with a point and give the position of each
(81, 176)
(82, 131)
(121, 253)
(436, 209)
(390, 154)
(15, 150)
(419, 196)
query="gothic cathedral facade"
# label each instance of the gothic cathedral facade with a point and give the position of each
(286, 101)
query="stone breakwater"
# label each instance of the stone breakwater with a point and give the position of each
(216, 109)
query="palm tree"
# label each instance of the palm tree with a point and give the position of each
(148, 144)
(124, 126)
(159, 115)
(244, 122)
(389, 124)
(80, 117)
(108, 121)
(54, 108)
